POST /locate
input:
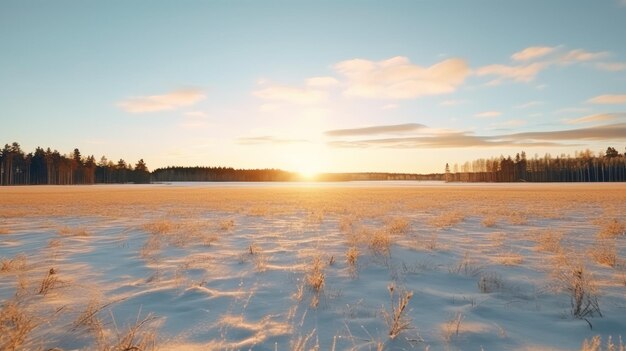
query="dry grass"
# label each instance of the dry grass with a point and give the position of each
(489, 221)
(226, 224)
(68, 231)
(398, 226)
(141, 336)
(396, 317)
(380, 243)
(490, 282)
(16, 264)
(452, 327)
(582, 289)
(604, 252)
(595, 344)
(465, 266)
(448, 219)
(612, 229)
(315, 277)
(15, 326)
(159, 227)
(509, 259)
(49, 282)
(548, 241)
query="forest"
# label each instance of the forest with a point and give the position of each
(585, 166)
(45, 166)
(51, 167)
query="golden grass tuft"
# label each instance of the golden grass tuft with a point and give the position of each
(612, 229)
(315, 277)
(159, 227)
(380, 243)
(68, 231)
(15, 326)
(489, 221)
(595, 344)
(509, 259)
(226, 224)
(49, 282)
(579, 283)
(448, 219)
(398, 226)
(396, 317)
(452, 328)
(604, 252)
(548, 241)
(16, 264)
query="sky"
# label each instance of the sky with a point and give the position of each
(313, 86)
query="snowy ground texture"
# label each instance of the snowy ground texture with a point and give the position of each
(301, 267)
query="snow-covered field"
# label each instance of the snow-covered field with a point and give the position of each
(300, 267)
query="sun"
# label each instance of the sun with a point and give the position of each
(308, 173)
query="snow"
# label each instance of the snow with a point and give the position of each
(226, 266)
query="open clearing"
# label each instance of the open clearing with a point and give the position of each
(492, 267)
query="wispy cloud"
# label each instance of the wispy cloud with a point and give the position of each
(517, 73)
(533, 52)
(390, 107)
(376, 130)
(599, 117)
(488, 114)
(528, 104)
(290, 94)
(612, 66)
(322, 82)
(509, 124)
(580, 55)
(398, 78)
(194, 119)
(164, 102)
(453, 102)
(266, 139)
(614, 99)
(458, 139)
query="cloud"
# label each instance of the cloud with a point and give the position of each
(194, 119)
(509, 124)
(268, 140)
(580, 55)
(196, 114)
(528, 104)
(397, 78)
(390, 107)
(165, 102)
(517, 73)
(612, 66)
(322, 82)
(533, 52)
(426, 138)
(488, 114)
(453, 102)
(594, 118)
(290, 94)
(608, 99)
(387, 129)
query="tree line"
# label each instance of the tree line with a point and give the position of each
(51, 167)
(585, 166)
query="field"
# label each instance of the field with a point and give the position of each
(194, 267)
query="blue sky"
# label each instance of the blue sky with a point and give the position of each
(313, 85)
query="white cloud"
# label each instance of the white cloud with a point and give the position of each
(608, 99)
(528, 104)
(580, 55)
(518, 73)
(165, 102)
(390, 107)
(453, 102)
(488, 114)
(398, 78)
(322, 82)
(196, 114)
(592, 118)
(290, 94)
(509, 124)
(612, 66)
(533, 52)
